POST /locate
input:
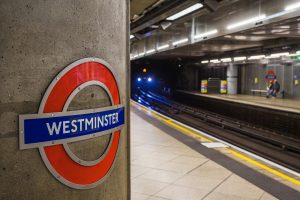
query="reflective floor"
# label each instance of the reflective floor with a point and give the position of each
(163, 167)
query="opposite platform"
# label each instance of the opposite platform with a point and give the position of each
(287, 105)
(169, 161)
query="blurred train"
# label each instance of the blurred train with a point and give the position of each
(147, 82)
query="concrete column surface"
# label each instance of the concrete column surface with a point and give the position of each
(232, 79)
(38, 39)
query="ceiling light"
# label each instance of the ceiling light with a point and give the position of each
(180, 41)
(256, 57)
(131, 36)
(226, 60)
(141, 54)
(204, 61)
(297, 53)
(150, 51)
(214, 61)
(248, 21)
(185, 11)
(240, 37)
(163, 47)
(276, 31)
(154, 26)
(277, 55)
(206, 34)
(239, 58)
(293, 6)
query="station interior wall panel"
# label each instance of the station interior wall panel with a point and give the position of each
(253, 76)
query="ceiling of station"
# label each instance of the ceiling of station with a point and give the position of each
(147, 16)
(284, 34)
(138, 6)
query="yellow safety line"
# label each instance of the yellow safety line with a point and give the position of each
(177, 126)
(173, 124)
(269, 169)
(241, 156)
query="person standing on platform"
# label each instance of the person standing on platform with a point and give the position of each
(270, 89)
(276, 88)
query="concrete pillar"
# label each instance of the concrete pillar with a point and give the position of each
(38, 39)
(232, 79)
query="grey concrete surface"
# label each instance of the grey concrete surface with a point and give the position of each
(232, 80)
(39, 38)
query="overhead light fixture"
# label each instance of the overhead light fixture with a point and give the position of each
(141, 54)
(180, 41)
(215, 61)
(163, 47)
(277, 55)
(248, 21)
(293, 6)
(204, 61)
(226, 59)
(297, 53)
(256, 57)
(135, 56)
(131, 36)
(154, 26)
(239, 58)
(202, 35)
(185, 11)
(287, 10)
(240, 37)
(150, 51)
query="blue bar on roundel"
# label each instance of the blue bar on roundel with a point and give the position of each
(45, 131)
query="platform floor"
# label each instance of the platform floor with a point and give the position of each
(168, 164)
(273, 103)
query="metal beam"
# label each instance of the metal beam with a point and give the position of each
(162, 12)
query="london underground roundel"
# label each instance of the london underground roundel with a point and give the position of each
(54, 127)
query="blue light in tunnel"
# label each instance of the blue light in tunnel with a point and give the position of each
(149, 79)
(139, 79)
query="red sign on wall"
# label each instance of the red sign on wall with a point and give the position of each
(270, 75)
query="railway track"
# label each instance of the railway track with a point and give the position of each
(266, 143)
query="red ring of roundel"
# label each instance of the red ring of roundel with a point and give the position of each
(58, 158)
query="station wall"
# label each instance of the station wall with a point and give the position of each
(253, 76)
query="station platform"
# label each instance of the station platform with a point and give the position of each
(172, 161)
(289, 105)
